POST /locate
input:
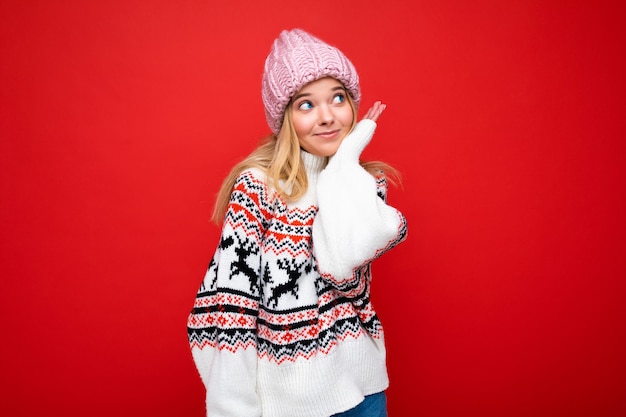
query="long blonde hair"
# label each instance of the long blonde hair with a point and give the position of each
(279, 157)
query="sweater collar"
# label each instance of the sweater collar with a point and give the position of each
(313, 164)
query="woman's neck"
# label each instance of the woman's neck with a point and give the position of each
(313, 163)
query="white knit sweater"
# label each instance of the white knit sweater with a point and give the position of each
(271, 336)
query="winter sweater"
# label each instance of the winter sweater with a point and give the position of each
(270, 334)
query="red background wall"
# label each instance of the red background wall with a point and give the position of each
(120, 118)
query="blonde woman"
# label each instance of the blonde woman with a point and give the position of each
(283, 325)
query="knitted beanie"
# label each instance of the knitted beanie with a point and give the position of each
(296, 59)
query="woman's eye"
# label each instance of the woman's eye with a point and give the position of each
(305, 105)
(339, 98)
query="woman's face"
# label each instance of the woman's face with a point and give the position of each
(322, 116)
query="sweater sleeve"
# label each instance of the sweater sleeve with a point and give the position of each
(354, 225)
(222, 323)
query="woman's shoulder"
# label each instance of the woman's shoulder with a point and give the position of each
(251, 189)
(254, 180)
(251, 177)
(253, 173)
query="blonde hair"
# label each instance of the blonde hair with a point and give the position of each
(278, 156)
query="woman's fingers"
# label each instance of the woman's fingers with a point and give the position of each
(375, 111)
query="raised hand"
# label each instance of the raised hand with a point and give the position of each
(353, 144)
(375, 111)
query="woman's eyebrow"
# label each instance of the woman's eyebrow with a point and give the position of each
(337, 88)
(297, 96)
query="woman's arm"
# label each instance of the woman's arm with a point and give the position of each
(353, 225)
(222, 324)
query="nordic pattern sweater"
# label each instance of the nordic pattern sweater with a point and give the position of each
(270, 335)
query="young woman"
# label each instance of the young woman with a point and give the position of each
(282, 325)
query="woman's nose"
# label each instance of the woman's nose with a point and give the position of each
(326, 115)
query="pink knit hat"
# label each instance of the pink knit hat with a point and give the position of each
(296, 59)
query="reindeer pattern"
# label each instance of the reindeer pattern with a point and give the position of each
(240, 265)
(289, 282)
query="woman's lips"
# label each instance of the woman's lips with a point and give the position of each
(327, 135)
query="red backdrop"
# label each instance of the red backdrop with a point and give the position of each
(119, 119)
